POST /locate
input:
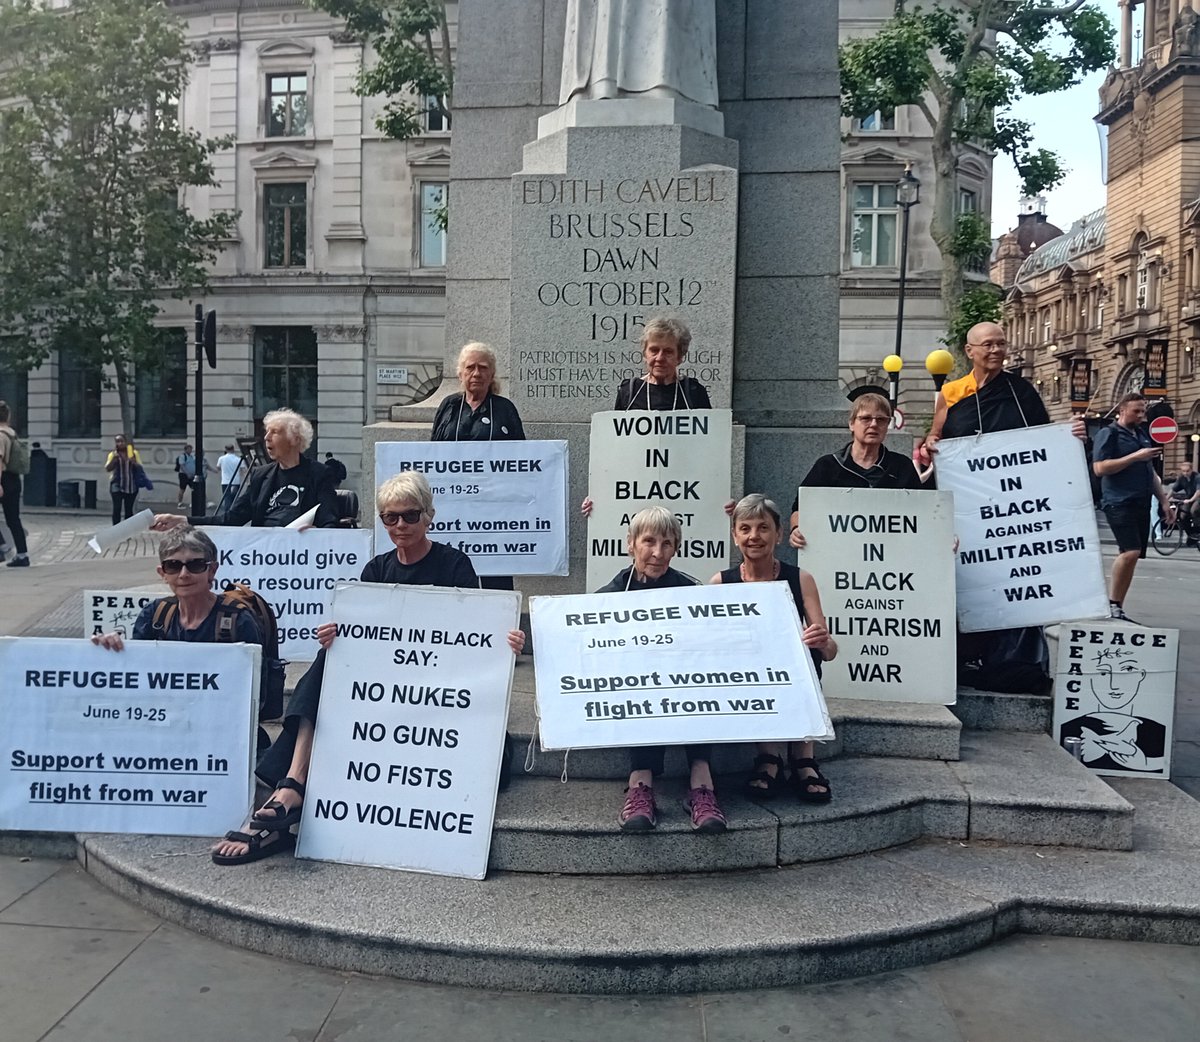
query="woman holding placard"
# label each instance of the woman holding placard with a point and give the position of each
(478, 413)
(757, 531)
(405, 505)
(654, 536)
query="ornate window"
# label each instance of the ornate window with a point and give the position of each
(161, 394)
(285, 213)
(287, 104)
(285, 370)
(873, 225)
(78, 397)
(432, 249)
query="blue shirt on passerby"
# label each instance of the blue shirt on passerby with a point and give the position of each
(1135, 482)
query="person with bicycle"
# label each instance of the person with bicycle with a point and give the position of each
(1185, 494)
(1123, 459)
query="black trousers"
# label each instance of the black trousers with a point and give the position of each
(123, 500)
(11, 483)
(274, 762)
(650, 757)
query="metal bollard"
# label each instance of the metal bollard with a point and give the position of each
(1075, 747)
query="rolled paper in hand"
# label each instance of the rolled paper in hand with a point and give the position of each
(127, 529)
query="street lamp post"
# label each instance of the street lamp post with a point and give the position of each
(1196, 452)
(908, 194)
(938, 364)
(892, 365)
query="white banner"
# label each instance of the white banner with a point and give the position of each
(1115, 691)
(1029, 552)
(883, 560)
(295, 572)
(154, 739)
(677, 460)
(115, 611)
(687, 664)
(414, 706)
(502, 503)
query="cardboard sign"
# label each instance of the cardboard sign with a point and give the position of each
(1115, 690)
(413, 710)
(689, 664)
(154, 739)
(295, 572)
(883, 560)
(677, 460)
(502, 503)
(115, 611)
(1029, 552)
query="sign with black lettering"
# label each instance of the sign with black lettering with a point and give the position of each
(414, 706)
(154, 739)
(677, 460)
(1081, 383)
(293, 571)
(1029, 552)
(1115, 692)
(115, 611)
(1155, 381)
(883, 560)
(502, 503)
(684, 664)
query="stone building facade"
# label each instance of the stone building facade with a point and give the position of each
(330, 296)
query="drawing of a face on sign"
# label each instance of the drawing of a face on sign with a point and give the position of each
(1114, 737)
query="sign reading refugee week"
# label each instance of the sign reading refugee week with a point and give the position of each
(414, 706)
(154, 739)
(684, 664)
(677, 460)
(293, 571)
(883, 561)
(502, 503)
(1029, 551)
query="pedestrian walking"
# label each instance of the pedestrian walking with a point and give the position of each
(14, 462)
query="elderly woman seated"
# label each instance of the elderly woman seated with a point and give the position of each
(654, 536)
(406, 509)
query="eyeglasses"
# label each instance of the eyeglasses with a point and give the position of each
(869, 420)
(196, 565)
(992, 345)
(409, 517)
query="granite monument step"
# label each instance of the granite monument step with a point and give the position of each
(768, 927)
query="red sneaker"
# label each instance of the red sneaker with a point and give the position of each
(706, 813)
(639, 813)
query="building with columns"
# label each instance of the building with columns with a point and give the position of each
(1113, 305)
(330, 295)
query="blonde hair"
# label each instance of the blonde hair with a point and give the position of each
(657, 521)
(478, 348)
(295, 427)
(406, 487)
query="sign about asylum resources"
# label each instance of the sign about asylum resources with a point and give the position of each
(1114, 690)
(502, 503)
(155, 739)
(1029, 552)
(413, 712)
(677, 460)
(883, 561)
(293, 571)
(595, 258)
(677, 665)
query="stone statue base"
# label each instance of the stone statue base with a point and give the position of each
(630, 111)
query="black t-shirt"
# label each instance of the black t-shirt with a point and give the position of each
(687, 393)
(620, 582)
(838, 470)
(285, 496)
(496, 419)
(1185, 486)
(442, 566)
(246, 627)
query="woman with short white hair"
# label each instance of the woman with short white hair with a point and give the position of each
(477, 412)
(276, 495)
(654, 536)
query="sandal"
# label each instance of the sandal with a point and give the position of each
(771, 784)
(280, 817)
(803, 784)
(259, 848)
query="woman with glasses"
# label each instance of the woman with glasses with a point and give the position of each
(405, 505)
(863, 463)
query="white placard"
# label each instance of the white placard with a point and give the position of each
(883, 560)
(107, 538)
(678, 460)
(391, 374)
(115, 611)
(295, 572)
(1115, 689)
(502, 503)
(411, 730)
(154, 739)
(685, 664)
(1029, 552)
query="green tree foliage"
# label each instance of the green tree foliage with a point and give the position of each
(92, 164)
(964, 64)
(412, 66)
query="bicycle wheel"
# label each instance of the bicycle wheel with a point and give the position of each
(1166, 538)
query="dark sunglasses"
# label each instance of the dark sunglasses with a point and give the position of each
(196, 565)
(409, 517)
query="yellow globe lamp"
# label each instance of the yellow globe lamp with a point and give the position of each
(939, 363)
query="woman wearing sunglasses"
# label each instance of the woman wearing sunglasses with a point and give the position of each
(405, 505)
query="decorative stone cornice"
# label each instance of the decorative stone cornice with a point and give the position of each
(341, 334)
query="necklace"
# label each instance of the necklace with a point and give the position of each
(746, 578)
